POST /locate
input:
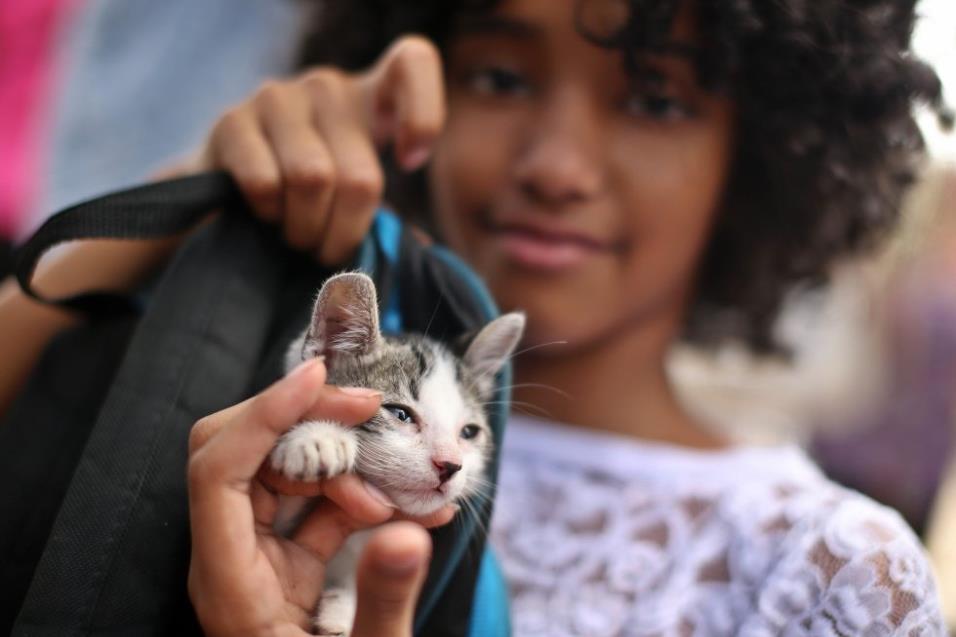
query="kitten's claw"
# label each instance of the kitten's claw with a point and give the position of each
(335, 614)
(313, 450)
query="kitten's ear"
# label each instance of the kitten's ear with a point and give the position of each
(345, 318)
(494, 344)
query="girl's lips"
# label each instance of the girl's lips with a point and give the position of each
(546, 252)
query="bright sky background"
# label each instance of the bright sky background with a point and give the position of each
(935, 41)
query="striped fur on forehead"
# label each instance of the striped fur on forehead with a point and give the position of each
(398, 367)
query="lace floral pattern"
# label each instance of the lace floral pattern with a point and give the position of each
(602, 537)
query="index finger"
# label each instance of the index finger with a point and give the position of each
(238, 439)
(404, 97)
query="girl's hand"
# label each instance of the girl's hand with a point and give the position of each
(305, 151)
(244, 579)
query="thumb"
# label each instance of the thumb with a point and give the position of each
(390, 575)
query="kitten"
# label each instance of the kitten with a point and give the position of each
(429, 443)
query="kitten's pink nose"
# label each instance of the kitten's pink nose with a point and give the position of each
(445, 469)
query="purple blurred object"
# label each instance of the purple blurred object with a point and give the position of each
(898, 456)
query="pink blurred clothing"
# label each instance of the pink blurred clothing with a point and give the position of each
(28, 37)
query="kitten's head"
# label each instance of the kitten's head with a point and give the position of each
(429, 444)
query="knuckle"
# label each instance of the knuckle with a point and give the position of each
(199, 434)
(230, 122)
(259, 185)
(365, 185)
(270, 93)
(325, 83)
(310, 174)
(198, 471)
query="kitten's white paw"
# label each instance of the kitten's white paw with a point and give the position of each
(315, 449)
(336, 613)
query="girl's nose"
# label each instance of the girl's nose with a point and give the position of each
(561, 161)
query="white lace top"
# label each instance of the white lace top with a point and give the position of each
(601, 535)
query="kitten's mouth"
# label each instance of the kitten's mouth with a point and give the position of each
(421, 501)
(440, 491)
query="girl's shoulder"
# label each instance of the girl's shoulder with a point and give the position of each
(839, 563)
(821, 559)
(754, 538)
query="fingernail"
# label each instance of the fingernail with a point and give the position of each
(305, 366)
(361, 392)
(416, 158)
(379, 496)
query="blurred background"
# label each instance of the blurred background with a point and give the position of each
(99, 94)
(935, 40)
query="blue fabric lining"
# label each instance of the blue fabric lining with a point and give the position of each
(489, 610)
(388, 232)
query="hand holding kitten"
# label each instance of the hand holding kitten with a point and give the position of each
(244, 578)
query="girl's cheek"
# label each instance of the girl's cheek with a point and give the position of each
(470, 166)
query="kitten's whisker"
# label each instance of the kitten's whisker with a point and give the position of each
(515, 404)
(541, 386)
(469, 506)
(525, 412)
(538, 346)
(482, 494)
(432, 318)
(471, 387)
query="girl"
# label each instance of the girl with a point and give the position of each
(627, 173)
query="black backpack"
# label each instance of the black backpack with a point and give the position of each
(94, 531)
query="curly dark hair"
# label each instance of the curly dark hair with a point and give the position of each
(827, 142)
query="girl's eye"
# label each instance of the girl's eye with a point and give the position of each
(402, 413)
(658, 107)
(469, 432)
(498, 81)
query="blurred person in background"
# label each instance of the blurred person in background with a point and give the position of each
(903, 439)
(941, 522)
(96, 95)
(29, 32)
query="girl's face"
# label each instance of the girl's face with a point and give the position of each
(581, 198)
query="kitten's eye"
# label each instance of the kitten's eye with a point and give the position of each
(404, 414)
(468, 432)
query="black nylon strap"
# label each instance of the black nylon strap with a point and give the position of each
(156, 210)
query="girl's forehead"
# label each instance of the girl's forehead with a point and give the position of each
(599, 20)
(582, 38)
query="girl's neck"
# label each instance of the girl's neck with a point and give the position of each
(620, 386)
